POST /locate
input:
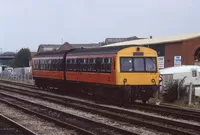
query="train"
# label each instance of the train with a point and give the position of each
(125, 73)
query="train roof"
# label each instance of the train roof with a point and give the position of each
(97, 50)
(50, 53)
(84, 51)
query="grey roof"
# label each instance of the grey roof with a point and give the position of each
(158, 40)
(8, 54)
(116, 40)
(48, 47)
(91, 45)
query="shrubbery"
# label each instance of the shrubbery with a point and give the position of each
(171, 90)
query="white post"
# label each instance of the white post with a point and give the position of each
(190, 94)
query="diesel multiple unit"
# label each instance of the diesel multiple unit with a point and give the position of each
(121, 72)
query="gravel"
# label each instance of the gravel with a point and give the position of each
(30, 82)
(157, 115)
(136, 111)
(79, 113)
(33, 123)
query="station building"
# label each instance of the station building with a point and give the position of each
(172, 50)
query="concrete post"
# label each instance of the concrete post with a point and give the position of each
(190, 94)
(178, 90)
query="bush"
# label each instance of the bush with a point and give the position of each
(172, 89)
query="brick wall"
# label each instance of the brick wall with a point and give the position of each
(171, 50)
(190, 46)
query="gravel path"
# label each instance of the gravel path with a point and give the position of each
(130, 127)
(33, 123)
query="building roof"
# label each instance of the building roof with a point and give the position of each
(116, 40)
(91, 45)
(48, 47)
(33, 53)
(158, 40)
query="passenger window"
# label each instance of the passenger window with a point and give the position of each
(94, 64)
(109, 65)
(98, 64)
(84, 64)
(103, 68)
(90, 64)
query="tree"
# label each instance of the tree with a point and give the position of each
(22, 58)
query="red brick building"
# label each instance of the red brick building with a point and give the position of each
(172, 50)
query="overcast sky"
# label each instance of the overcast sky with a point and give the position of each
(28, 23)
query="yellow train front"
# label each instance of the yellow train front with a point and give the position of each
(137, 73)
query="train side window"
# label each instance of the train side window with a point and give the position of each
(109, 65)
(98, 64)
(58, 65)
(45, 64)
(61, 64)
(74, 64)
(37, 64)
(49, 64)
(87, 64)
(53, 64)
(42, 65)
(84, 64)
(90, 64)
(67, 64)
(106, 64)
(103, 69)
(70, 64)
(46, 68)
(94, 64)
(81, 65)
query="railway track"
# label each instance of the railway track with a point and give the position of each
(10, 127)
(163, 125)
(80, 124)
(164, 110)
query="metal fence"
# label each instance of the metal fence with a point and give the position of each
(18, 74)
